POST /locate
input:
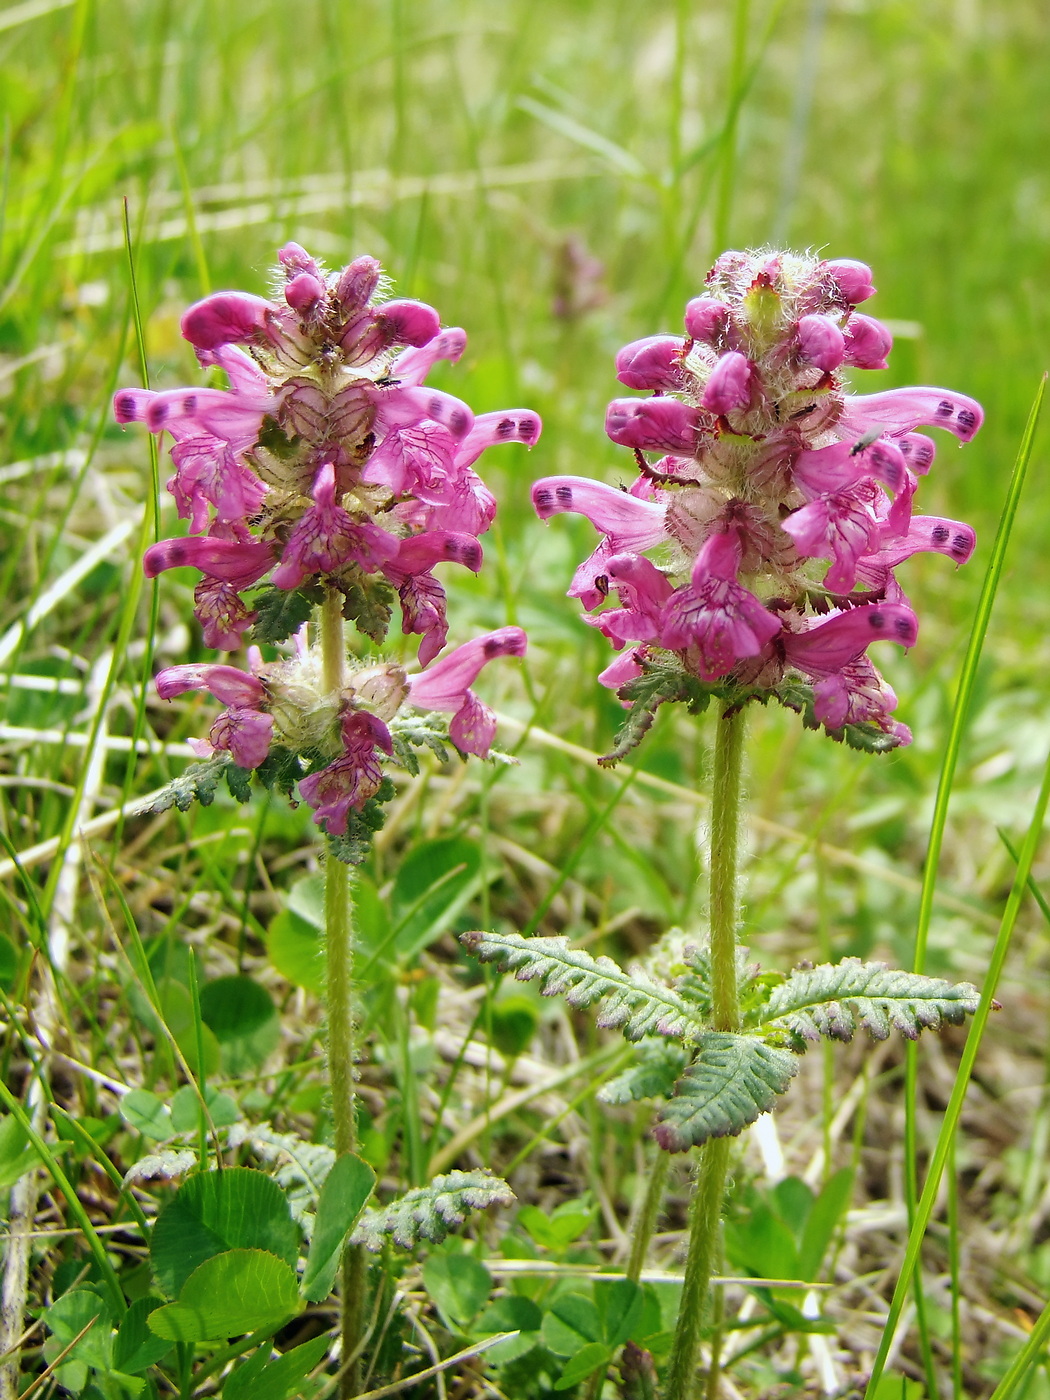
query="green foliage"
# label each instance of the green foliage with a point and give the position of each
(346, 1188)
(652, 1076)
(212, 1212)
(460, 1286)
(368, 602)
(241, 1015)
(430, 1212)
(834, 999)
(238, 1291)
(259, 1378)
(197, 783)
(353, 846)
(419, 731)
(280, 612)
(661, 683)
(733, 1079)
(633, 1002)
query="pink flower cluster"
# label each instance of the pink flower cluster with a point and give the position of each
(327, 457)
(328, 464)
(780, 504)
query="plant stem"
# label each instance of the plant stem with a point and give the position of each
(339, 944)
(725, 1016)
(646, 1224)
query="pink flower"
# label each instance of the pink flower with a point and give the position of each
(244, 730)
(729, 385)
(353, 778)
(714, 614)
(327, 537)
(445, 685)
(652, 425)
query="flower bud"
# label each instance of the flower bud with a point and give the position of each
(408, 322)
(868, 342)
(709, 321)
(380, 689)
(820, 342)
(356, 284)
(729, 386)
(652, 425)
(294, 258)
(850, 279)
(304, 293)
(652, 363)
(225, 317)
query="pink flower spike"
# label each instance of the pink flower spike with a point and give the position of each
(820, 342)
(729, 386)
(652, 363)
(226, 683)
(714, 614)
(868, 342)
(710, 322)
(246, 734)
(444, 685)
(408, 322)
(918, 451)
(224, 317)
(831, 645)
(632, 523)
(652, 425)
(412, 366)
(511, 425)
(326, 537)
(230, 561)
(850, 279)
(900, 410)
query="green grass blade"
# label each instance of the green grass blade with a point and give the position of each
(924, 1210)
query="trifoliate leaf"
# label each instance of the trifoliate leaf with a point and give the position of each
(280, 612)
(198, 783)
(733, 1080)
(632, 1001)
(431, 1212)
(836, 998)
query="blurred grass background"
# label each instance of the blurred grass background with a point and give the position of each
(556, 176)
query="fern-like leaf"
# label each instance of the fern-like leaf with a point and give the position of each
(836, 998)
(632, 1001)
(431, 1212)
(733, 1080)
(652, 1076)
(197, 783)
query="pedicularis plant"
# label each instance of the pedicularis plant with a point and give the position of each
(754, 559)
(776, 508)
(326, 467)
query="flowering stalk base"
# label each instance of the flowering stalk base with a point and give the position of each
(725, 1016)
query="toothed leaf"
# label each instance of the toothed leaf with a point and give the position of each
(631, 1001)
(836, 998)
(864, 737)
(733, 1080)
(280, 612)
(368, 602)
(198, 783)
(431, 1212)
(652, 1076)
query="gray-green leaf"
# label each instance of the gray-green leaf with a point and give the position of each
(430, 1212)
(733, 1080)
(836, 998)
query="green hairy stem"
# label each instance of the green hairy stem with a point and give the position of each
(339, 944)
(706, 1211)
